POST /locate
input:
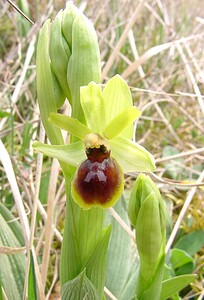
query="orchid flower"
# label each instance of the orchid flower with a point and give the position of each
(104, 149)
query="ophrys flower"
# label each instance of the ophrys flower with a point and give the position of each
(104, 148)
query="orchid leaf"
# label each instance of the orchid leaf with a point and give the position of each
(96, 264)
(122, 121)
(79, 288)
(93, 106)
(131, 156)
(12, 266)
(120, 250)
(175, 284)
(72, 154)
(72, 125)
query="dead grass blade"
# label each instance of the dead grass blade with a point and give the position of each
(154, 51)
(33, 223)
(191, 76)
(11, 250)
(184, 209)
(6, 162)
(50, 215)
(122, 40)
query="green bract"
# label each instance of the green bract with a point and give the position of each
(110, 114)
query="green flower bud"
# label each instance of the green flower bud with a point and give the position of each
(74, 54)
(147, 214)
(68, 57)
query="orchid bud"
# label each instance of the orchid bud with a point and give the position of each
(68, 57)
(147, 214)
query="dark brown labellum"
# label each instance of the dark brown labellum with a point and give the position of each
(99, 178)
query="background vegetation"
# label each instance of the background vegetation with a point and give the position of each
(157, 46)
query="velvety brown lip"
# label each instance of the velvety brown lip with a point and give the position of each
(98, 177)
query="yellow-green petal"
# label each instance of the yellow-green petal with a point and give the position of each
(121, 122)
(92, 103)
(72, 154)
(131, 156)
(72, 125)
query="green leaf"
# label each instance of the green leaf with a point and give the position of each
(72, 154)
(191, 242)
(131, 156)
(74, 126)
(32, 290)
(121, 122)
(4, 114)
(1, 293)
(79, 288)
(119, 252)
(13, 224)
(12, 266)
(152, 289)
(129, 289)
(26, 137)
(96, 264)
(93, 106)
(22, 24)
(83, 232)
(180, 258)
(174, 285)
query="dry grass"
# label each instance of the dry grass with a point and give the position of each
(158, 48)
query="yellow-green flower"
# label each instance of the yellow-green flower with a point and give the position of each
(105, 139)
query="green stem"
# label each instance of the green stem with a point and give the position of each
(82, 232)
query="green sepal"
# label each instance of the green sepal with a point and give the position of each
(121, 122)
(131, 156)
(149, 236)
(72, 125)
(96, 264)
(79, 288)
(46, 85)
(68, 17)
(117, 98)
(59, 54)
(72, 154)
(84, 63)
(93, 106)
(142, 188)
